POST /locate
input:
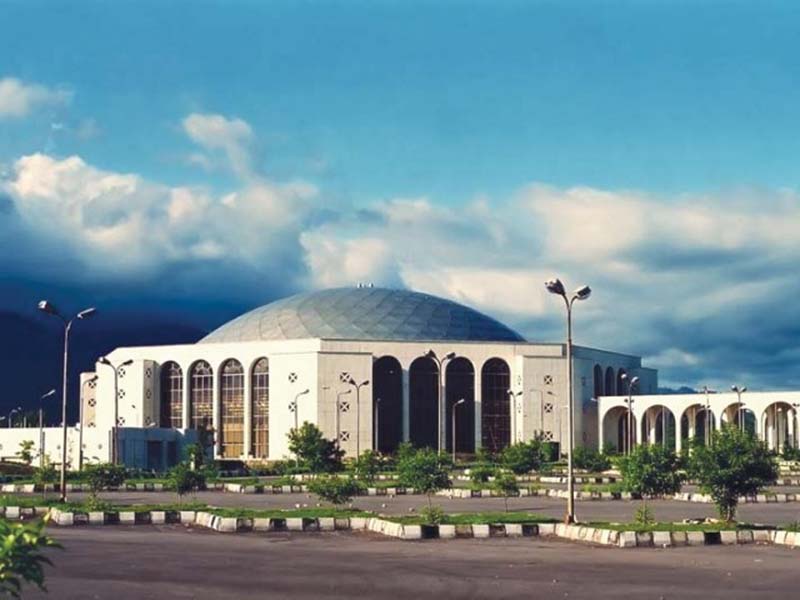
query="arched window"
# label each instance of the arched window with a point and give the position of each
(611, 383)
(201, 396)
(424, 384)
(460, 385)
(171, 395)
(387, 377)
(260, 385)
(495, 405)
(231, 395)
(598, 381)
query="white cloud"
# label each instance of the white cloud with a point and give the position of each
(18, 99)
(217, 133)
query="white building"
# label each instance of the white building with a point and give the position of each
(298, 359)
(772, 416)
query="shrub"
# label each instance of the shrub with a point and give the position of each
(25, 452)
(480, 473)
(367, 466)
(45, 475)
(432, 515)
(651, 470)
(523, 457)
(550, 451)
(425, 471)
(100, 477)
(320, 455)
(21, 560)
(735, 464)
(590, 460)
(183, 479)
(334, 489)
(506, 485)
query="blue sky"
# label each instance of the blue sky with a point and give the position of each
(457, 147)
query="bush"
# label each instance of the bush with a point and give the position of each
(100, 477)
(432, 515)
(523, 457)
(425, 471)
(550, 452)
(367, 466)
(651, 470)
(480, 473)
(183, 479)
(25, 452)
(506, 485)
(590, 460)
(20, 557)
(320, 455)
(334, 489)
(735, 464)
(45, 475)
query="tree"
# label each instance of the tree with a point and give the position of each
(735, 464)
(21, 560)
(506, 485)
(367, 466)
(45, 475)
(320, 455)
(25, 452)
(334, 489)
(590, 459)
(523, 457)
(650, 470)
(100, 477)
(183, 479)
(424, 471)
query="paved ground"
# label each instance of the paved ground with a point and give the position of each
(174, 562)
(618, 510)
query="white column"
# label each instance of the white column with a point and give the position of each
(247, 452)
(186, 412)
(406, 406)
(215, 413)
(600, 433)
(653, 421)
(478, 410)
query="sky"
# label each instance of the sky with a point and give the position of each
(198, 159)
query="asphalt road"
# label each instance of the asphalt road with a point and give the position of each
(617, 510)
(176, 562)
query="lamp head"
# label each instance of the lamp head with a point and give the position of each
(554, 286)
(450, 355)
(48, 307)
(365, 382)
(430, 353)
(459, 402)
(127, 362)
(86, 313)
(582, 293)
(104, 361)
(634, 381)
(744, 389)
(624, 377)
(48, 394)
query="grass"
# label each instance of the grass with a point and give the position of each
(614, 488)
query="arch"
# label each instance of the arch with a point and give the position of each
(598, 381)
(259, 385)
(171, 409)
(779, 426)
(611, 382)
(460, 377)
(615, 430)
(495, 405)
(739, 415)
(622, 384)
(658, 426)
(423, 402)
(697, 424)
(201, 396)
(387, 378)
(231, 401)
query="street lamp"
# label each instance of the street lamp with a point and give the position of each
(632, 382)
(11, 414)
(707, 436)
(293, 407)
(455, 405)
(439, 395)
(50, 309)
(739, 391)
(358, 387)
(41, 424)
(377, 424)
(115, 434)
(554, 286)
(339, 410)
(512, 395)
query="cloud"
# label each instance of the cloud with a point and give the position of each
(18, 99)
(218, 134)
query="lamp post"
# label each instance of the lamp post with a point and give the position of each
(358, 387)
(554, 286)
(632, 382)
(338, 410)
(512, 396)
(455, 405)
(440, 393)
(11, 415)
(114, 432)
(739, 391)
(41, 424)
(377, 424)
(293, 407)
(707, 437)
(50, 309)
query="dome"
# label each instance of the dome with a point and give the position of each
(363, 313)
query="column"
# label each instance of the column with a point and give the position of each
(215, 412)
(406, 406)
(478, 409)
(186, 416)
(600, 432)
(247, 451)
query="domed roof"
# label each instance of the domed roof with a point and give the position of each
(363, 313)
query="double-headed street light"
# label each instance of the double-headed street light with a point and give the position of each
(295, 408)
(632, 383)
(358, 387)
(513, 396)
(440, 416)
(11, 414)
(103, 360)
(554, 286)
(41, 424)
(739, 406)
(50, 309)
